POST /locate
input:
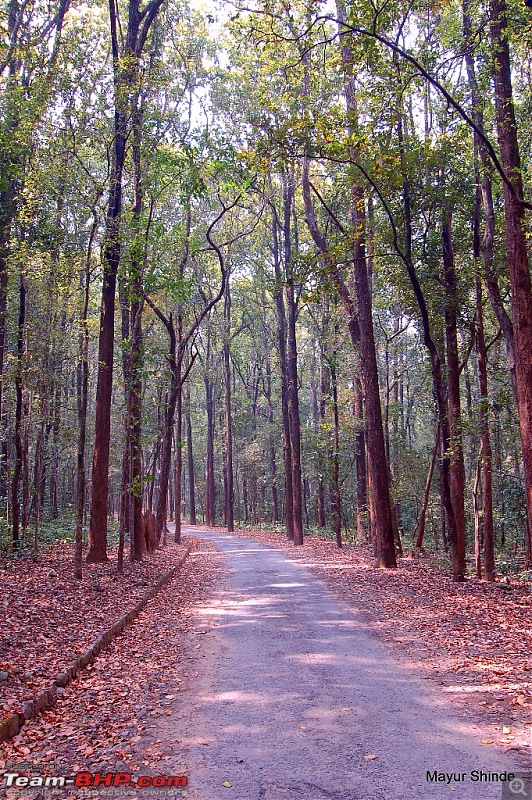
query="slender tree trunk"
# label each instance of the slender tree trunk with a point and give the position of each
(272, 455)
(135, 417)
(5, 227)
(245, 499)
(291, 367)
(229, 480)
(111, 257)
(190, 465)
(178, 490)
(166, 449)
(37, 481)
(281, 338)
(360, 461)
(457, 472)
(324, 393)
(485, 449)
(210, 490)
(54, 465)
(82, 401)
(336, 497)
(426, 494)
(15, 483)
(125, 504)
(377, 462)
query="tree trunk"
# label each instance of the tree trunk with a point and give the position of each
(456, 472)
(135, 422)
(336, 497)
(229, 480)
(281, 339)
(516, 243)
(426, 494)
(178, 489)
(190, 466)
(15, 483)
(166, 449)
(360, 461)
(293, 415)
(210, 496)
(485, 448)
(126, 91)
(291, 367)
(271, 455)
(324, 392)
(37, 481)
(111, 257)
(82, 401)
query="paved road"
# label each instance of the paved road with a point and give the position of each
(297, 699)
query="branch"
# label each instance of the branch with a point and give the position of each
(395, 48)
(148, 15)
(210, 305)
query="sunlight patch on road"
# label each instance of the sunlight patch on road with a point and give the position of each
(285, 585)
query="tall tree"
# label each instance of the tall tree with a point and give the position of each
(126, 55)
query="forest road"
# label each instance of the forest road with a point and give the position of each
(296, 699)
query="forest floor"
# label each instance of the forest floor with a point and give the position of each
(49, 619)
(473, 641)
(115, 705)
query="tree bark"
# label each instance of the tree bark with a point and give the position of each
(19, 386)
(336, 497)
(82, 402)
(485, 448)
(210, 489)
(126, 80)
(426, 494)
(135, 424)
(190, 466)
(291, 366)
(281, 341)
(178, 488)
(229, 479)
(516, 242)
(360, 461)
(456, 470)
(324, 392)
(272, 460)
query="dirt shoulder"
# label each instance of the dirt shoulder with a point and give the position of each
(109, 716)
(49, 619)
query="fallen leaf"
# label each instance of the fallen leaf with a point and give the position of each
(227, 784)
(370, 757)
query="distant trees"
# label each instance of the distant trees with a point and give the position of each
(320, 246)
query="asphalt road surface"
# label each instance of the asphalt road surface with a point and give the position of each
(296, 699)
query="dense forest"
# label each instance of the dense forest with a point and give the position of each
(267, 265)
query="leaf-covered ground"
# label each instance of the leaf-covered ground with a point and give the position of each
(48, 618)
(474, 639)
(108, 718)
